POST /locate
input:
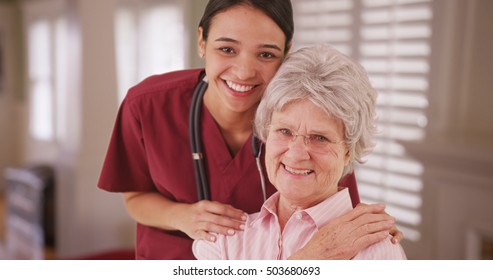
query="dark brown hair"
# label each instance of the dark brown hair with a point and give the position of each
(280, 11)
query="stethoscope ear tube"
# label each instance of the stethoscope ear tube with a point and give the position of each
(257, 151)
(256, 146)
(196, 142)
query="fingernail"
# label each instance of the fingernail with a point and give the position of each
(244, 217)
(242, 226)
(231, 232)
(212, 238)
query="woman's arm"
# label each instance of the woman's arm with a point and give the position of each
(197, 220)
(350, 233)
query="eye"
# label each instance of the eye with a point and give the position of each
(267, 55)
(227, 50)
(284, 132)
(319, 138)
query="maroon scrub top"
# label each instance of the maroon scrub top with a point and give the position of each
(149, 151)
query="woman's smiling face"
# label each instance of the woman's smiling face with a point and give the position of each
(242, 53)
(305, 173)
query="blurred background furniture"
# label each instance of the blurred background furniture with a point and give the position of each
(30, 212)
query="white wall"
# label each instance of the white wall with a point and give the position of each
(457, 153)
(461, 76)
(95, 220)
(9, 97)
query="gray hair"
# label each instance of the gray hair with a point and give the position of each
(332, 81)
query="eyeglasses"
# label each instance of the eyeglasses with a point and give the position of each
(315, 142)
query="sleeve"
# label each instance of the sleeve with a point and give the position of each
(383, 250)
(125, 167)
(206, 250)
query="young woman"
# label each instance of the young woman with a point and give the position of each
(149, 159)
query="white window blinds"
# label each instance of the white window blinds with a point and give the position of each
(391, 38)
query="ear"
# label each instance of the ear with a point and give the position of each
(347, 157)
(201, 42)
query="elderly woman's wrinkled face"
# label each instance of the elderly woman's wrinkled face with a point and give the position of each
(305, 154)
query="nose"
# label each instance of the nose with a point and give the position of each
(245, 67)
(298, 148)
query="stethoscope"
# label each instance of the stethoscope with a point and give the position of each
(203, 189)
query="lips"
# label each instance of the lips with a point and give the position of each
(238, 87)
(297, 171)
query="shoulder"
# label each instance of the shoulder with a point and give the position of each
(176, 81)
(383, 250)
(207, 250)
(229, 247)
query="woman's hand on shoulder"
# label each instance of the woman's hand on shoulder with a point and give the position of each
(201, 220)
(205, 219)
(350, 233)
(397, 235)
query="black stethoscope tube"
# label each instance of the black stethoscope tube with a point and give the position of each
(195, 140)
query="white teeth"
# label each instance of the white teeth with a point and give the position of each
(239, 88)
(297, 172)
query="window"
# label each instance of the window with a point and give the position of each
(40, 77)
(46, 52)
(391, 38)
(150, 39)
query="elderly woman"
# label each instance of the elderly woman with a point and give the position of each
(316, 119)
